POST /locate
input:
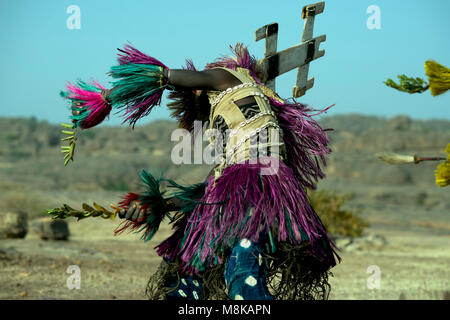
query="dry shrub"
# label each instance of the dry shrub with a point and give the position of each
(25, 201)
(338, 221)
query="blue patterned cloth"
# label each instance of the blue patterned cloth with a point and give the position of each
(190, 288)
(245, 275)
(245, 272)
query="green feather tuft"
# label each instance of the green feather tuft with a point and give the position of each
(136, 82)
(156, 203)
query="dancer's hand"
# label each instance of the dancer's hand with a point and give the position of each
(76, 109)
(133, 213)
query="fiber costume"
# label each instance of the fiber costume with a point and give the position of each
(248, 231)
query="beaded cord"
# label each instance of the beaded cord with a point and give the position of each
(229, 90)
(250, 120)
(249, 135)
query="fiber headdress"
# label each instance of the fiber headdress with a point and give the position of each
(307, 141)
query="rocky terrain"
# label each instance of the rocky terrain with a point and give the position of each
(408, 240)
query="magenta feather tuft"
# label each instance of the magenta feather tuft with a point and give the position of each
(133, 55)
(91, 101)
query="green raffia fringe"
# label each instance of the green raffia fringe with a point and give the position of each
(155, 203)
(137, 83)
(190, 194)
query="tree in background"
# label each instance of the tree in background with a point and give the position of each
(339, 221)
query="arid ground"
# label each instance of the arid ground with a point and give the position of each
(405, 209)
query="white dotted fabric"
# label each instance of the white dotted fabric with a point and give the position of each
(245, 243)
(251, 281)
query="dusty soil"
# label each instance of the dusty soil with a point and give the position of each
(414, 263)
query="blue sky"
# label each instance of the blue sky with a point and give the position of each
(39, 53)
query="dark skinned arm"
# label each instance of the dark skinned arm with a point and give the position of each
(213, 79)
(135, 212)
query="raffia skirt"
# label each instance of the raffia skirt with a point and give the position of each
(243, 203)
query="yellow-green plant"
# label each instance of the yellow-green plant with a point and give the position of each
(338, 221)
(72, 138)
(442, 172)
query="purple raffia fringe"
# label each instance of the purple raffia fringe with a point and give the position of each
(142, 109)
(133, 55)
(243, 60)
(306, 142)
(223, 215)
(98, 109)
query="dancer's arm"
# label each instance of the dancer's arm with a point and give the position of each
(135, 212)
(210, 79)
